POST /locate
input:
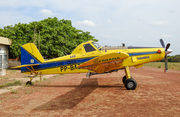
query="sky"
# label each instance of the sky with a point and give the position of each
(112, 22)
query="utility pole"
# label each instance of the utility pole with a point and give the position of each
(39, 41)
(35, 35)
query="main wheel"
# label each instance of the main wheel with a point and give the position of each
(130, 84)
(28, 83)
(124, 79)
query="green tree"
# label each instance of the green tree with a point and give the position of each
(58, 37)
(175, 58)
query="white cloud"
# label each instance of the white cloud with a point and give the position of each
(86, 23)
(109, 21)
(105, 36)
(160, 23)
(139, 37)
(23, 3)
(141, 18)
(13, 17)
(167, 36)
(47, 12)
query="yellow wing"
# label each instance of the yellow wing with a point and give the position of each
(106, 62)
(26, 65)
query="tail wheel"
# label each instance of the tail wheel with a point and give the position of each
(130, 84)
(28, 83)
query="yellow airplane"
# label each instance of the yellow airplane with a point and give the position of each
(91, 58)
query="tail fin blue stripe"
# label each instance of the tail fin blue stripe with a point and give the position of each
(27, 58)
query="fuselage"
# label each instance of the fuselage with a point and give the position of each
(89, 50)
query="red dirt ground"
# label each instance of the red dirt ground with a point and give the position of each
(157, 94)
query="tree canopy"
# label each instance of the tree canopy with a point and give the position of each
(175, 58)
(57, 37)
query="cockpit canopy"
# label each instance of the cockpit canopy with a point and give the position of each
(87, 47)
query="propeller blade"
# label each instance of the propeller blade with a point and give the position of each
(167, 46)
(162, 43)
(166, 64)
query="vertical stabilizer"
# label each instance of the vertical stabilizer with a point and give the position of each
(30, 54)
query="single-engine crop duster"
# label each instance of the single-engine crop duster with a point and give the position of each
(91, 58)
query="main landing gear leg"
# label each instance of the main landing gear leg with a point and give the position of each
(129, 82)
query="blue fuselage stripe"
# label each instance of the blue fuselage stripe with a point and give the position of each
(144, 53)
(56, 64)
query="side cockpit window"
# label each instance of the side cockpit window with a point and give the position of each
(96, 45)
(89, 48)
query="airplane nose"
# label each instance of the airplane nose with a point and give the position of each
(168, 51)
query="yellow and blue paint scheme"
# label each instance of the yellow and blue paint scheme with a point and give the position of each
(92, 58)
(81, 60)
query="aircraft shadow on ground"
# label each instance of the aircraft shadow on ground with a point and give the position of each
(73, 97)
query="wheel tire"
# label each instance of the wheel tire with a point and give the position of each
(130, 84)
(124, 79)
(28, 83)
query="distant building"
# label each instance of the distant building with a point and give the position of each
(4, 54)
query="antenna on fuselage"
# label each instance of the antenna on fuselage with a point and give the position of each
(105, 48)
(123, 44)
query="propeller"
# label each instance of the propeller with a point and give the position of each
(167, 46)
(162, 43)
(167, 51)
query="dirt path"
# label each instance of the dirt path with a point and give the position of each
(157, 94)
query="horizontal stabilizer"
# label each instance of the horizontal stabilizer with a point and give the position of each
(25, 65)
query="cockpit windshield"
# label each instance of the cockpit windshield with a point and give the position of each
(96, 45)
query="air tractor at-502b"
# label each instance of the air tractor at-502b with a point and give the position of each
(91, 58)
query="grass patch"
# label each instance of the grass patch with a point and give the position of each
(13, 71)
(16, 83)
(14, 91)
(37, 81)
(56, 75)
(171, 65)
(4, 78)
(29, 91)
(25, 76)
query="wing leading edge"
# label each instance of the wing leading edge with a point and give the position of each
(106, 62)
